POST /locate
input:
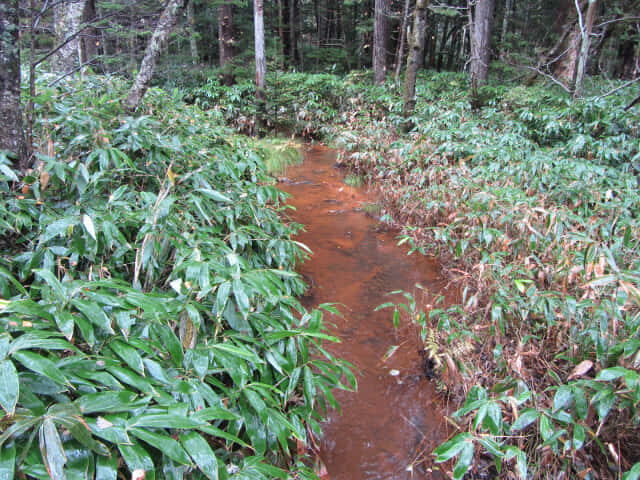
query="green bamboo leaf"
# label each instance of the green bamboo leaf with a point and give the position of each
(7, 462)
(633, 474)
(94, 313)
(133, 379)
(9, 386)
(89, 226)
(214, 195)
(526, 418)
(137, 459)
(308, 387)
(170, 342)
(50, 279)
(451, 448)
(107, 467)
(237, 352)
(201, 453)
(163, 443)
(110, 402)
(52, 450)
(465, 460)
(164, 420)
(128, 354)
(41, 365)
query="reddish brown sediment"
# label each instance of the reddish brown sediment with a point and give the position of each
(387, 429)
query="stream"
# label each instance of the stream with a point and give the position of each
(393, 422)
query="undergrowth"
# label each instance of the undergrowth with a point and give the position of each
(532, 203)
(150, 326)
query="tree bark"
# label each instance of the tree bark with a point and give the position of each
(380, 37)
(89, 38)
(586, 27)
(403, 36)
(225, 41)
(158, 40)
(67, 17)
(193, 41)
(508, 10)
(261, 67)
(12, 133)
(481, 42)
(416, 52)
(293, 33)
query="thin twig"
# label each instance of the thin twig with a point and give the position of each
(550, 77)
(624, 85)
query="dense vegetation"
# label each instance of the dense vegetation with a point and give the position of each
(532, 202)
(147, 266)
(149, 313)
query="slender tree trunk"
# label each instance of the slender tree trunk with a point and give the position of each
(89, 40)
(225, 40)
(403, 35)
(158, 41)
(416, 52)
(380, 38)
(481, 42)
(443, 43)
(12, 133)
(67, 16)
(193, 41)
(508, 9)
(258, 27)
(293, 33)
(280, 35)
(586, 27)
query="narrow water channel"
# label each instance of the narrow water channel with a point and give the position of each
(394, 420)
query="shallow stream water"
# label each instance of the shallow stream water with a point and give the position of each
(389, 426)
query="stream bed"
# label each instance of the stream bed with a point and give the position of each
(391, 424)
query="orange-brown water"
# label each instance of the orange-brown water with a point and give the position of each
(393, 422)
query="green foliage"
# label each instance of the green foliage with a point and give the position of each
(149, 314)
(534, 197)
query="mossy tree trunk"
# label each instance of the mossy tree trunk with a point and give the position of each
(225, 41)
(67, 17)
(158, 40)
(380, 38)
(414, 59)
(261, 67)
(586, 27)
(481, 42)
(12, 133)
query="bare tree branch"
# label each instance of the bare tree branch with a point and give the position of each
(624, 85)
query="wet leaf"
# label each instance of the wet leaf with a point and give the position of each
(51, 449)
(201, 453)
(9, 386)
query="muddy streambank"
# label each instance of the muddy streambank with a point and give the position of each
(387, 429)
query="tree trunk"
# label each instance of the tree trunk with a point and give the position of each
(508, 9)
(280, 35)
(586, 28)
(293, 33)
(258, 26)
(416, 51)
(89, 39)
(158, 41)
(481, 42)
(12, 133)
(193, 41)
(67, 16)
(403, 35)
(380, 37)
(225, 40)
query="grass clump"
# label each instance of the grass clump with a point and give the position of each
(149, 314)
